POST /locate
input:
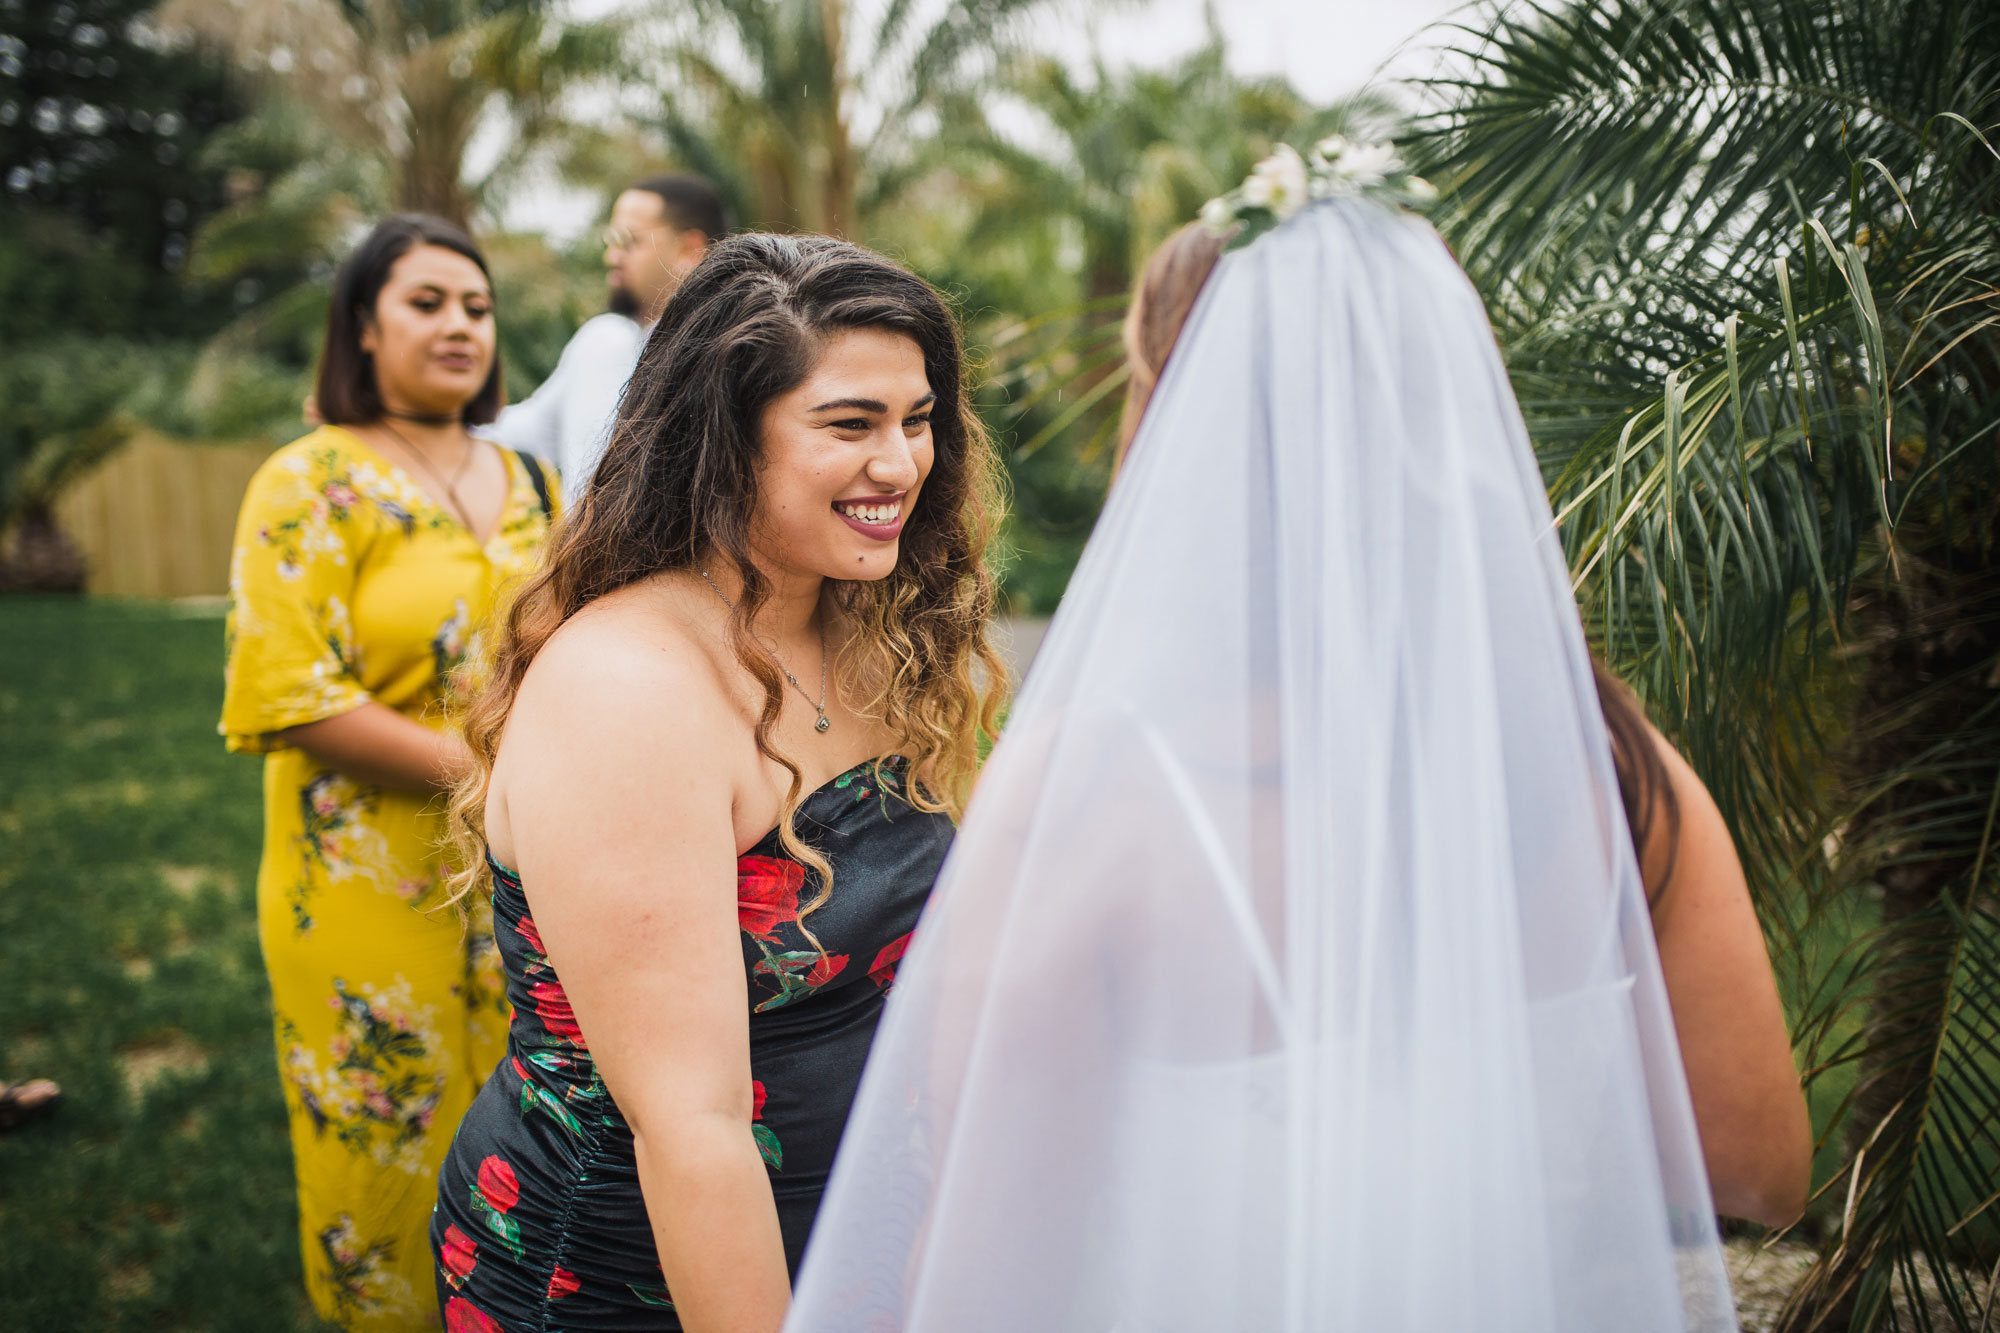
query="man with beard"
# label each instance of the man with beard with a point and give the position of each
(660, 229)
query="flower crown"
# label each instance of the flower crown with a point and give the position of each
(1335, 168)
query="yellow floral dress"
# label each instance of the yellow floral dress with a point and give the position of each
(349, 584)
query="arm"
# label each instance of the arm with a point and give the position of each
(619, 796)
(375, 743)
(1755, 1135)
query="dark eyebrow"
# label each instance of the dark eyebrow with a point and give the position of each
(431, 288)
(869, 404)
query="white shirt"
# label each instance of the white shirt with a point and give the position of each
(568, 419)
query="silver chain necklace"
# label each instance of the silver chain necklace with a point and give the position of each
(823, 723)
(458, 509)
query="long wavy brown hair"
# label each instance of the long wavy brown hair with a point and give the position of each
(678, 484)
(1161, 303)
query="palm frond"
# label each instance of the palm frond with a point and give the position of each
(1744, 261)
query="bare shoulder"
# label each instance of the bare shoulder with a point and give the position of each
(630, 666)
(1689, 847)
(623, 697)
(629, 637)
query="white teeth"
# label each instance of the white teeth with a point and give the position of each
(875, 515)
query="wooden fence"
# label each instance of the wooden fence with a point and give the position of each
(157, 517)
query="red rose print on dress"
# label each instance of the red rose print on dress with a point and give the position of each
(529, 931)
(552, 1003)
(826, 969)
(498, 1185)
(768, 1146)
(494, 1193)
(767, 894)
(459, 1255)
(883, 970)
(462, 1316)
(561, 1283)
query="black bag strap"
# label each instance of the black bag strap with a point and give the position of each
(539, 479)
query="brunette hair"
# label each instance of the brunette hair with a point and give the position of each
(347, 393)
(1168, 288)
(1165, 296)
(689, 203)
(678, 484)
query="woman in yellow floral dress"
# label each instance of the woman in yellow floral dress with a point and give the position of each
(369, 557)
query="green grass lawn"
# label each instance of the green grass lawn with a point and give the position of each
(159, 1196)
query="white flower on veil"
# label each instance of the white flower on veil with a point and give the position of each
(1336, 168)
(1343, 167)
(1279, 183)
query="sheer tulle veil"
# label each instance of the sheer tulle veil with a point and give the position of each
(1292, 969)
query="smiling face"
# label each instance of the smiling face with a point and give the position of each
(844, 458)
(431, 333)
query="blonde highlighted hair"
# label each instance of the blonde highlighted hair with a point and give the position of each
(678, 484)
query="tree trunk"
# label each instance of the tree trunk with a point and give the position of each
(41, 557)
(840, 187)
(443, 109)
(1937, 631)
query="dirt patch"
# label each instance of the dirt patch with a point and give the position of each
(1763, 1276)
(104, 729)
(129, 1282)
(145, 1065)
(186, 881)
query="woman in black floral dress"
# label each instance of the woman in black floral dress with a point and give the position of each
(705, 863)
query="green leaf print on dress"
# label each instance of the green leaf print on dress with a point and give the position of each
(357, 1271)
(857, 780)
(378, 1089)
(451, 647)
(339, 839)
(797, 972)
(768, 1147)
(495, 1191)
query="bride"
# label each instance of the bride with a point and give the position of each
(1294, 968)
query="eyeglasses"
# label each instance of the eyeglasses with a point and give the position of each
(623, 238)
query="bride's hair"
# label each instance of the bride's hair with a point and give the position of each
(678, 483)
(1165, 296)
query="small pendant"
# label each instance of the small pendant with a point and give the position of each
(822, 724)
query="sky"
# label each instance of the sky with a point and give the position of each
(1326, 48)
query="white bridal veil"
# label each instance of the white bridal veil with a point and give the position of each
(1292, 970)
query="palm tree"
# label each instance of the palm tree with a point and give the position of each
(1117, 158)
(408, 84)
(1092, 173)
(808, 116)
(1039, 198)
(1744, 259)
(364, 107)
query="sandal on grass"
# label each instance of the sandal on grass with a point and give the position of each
(23, 1102)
